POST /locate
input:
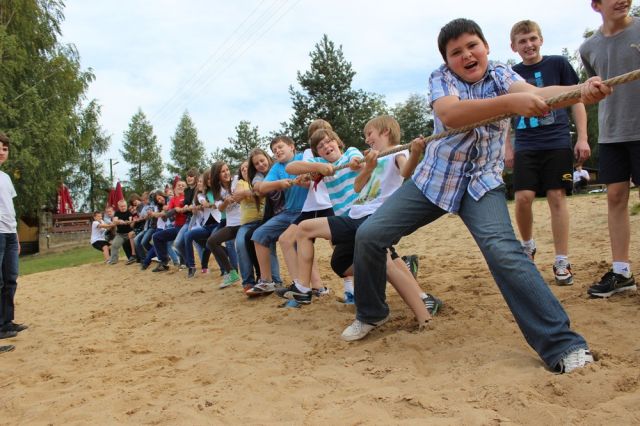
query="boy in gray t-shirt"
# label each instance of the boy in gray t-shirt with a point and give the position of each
(612, 50)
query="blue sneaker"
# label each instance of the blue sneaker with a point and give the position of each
(348, 298)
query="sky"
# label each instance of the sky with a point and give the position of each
(225, 61)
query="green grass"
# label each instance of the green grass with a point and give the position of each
(635, 209)
(49, 262)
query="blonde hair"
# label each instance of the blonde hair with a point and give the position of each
(317, 124)
(385, 122)
(524, 27)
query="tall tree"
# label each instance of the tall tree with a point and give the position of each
(247, 138)
(86, 174)
(414, 117)
(41, 84)
(142, 151)
(187, 150)
(327, 94)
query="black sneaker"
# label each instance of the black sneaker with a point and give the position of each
(162, 267)
(612, 283)
(191, 273)
(432, 303)
(8, 334)
(131, 261)
(12, 326)
(144, 267)
(412, 264)
(292, 293)
(6, 348)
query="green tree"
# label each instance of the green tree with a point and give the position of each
(86, 174)
(142, 151)
(41, 84)
(414, 117)
(327, 94)
(247, 138)
(187, 150)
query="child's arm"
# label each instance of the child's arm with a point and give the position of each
(582, 150)
(408, 166)
(300, 167)
(371, 161)
(275, 185)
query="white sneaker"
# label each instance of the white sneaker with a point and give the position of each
(562, 273)
(263, 287)
(358, 329)
(576, 359)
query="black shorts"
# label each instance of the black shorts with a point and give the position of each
(313, 214)
(98, 245)
(540, 171)
(619, 162)
(343, 229)
(342, 257)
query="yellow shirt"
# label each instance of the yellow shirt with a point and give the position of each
(248, 211)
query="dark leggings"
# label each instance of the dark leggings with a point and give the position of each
(214, 243)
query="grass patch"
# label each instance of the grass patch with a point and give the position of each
(49, 262)
(635, 209)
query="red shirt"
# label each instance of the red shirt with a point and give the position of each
(178, 201)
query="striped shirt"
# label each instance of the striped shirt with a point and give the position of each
(470, 161)
(340, 185)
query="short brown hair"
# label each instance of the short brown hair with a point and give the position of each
(318, 124)
(319, 135)
(385, 122)
(5, 139)
(283, 138)
(525, 27)
(193, 172)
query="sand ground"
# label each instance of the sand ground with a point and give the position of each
(115, 345)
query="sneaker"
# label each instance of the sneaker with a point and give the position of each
(262, 288)
(181, 266)
(530, 252)
(432, 303)
(131, 261)
(162, 267)
(412, 264)
(12, 326)
(191, 272)
(358, 329)
(144, 267)
(576, 359)
(8, 334)
(205, 270)
(562, 273)
(347, 299)
(155, 259)
(6, 348)
(319, 292)
(612, 283)
(247, 287)
(229, 279)
(292, 293)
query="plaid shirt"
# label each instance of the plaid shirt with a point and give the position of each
(471, 161)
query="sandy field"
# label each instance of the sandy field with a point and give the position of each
(115, 345)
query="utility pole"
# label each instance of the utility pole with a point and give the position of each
(111, 164)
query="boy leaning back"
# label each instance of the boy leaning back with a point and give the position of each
(612, 50)
(543, 159)
(462, 174)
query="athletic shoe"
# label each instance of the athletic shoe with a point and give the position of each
(162, 267)
(246, 288)
(358, 329)
(181, 266)
(432, 303)
(562, 273)
(205, 270)
(6, 348)
(319, 292)
(292, 293)
(131, 261)
(12, 326)
(230, 278)
(191, 272)
(612, 283)
(8, 334)
(412, 264)
(144, 267)
(155, 259)
(576, 359)
(530, 252)
(347, 299)
(261, 288)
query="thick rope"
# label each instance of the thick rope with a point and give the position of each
(553, 101)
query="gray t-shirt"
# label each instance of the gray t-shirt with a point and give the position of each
(609, 57)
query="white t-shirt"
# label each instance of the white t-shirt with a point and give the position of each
(317, 199)
(384, 181)
(8, 224)
(97, 233)
(233, 210)
(577, 175)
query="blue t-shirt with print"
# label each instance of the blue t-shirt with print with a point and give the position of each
(296, 195)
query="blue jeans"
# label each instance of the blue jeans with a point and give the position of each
(8, 276)
(245, 261)
(198, 234)
(161, 240)
(540, 316)
(142, 242)
(178, 242)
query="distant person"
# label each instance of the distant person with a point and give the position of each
(98, 237)
(580, 178)
(613, 50)
(122, 219)
(543, 157)
(9, 251)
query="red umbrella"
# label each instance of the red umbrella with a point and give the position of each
(115, 195)
(65, 204)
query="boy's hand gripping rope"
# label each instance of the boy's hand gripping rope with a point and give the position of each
(553, 101)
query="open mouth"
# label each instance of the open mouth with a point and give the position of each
(471, 65)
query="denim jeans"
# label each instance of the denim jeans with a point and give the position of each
(246, 260)
(161, 240)
(178, 243)
(197, 234)
(8, 276)
(540, 316)
(142, 242)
